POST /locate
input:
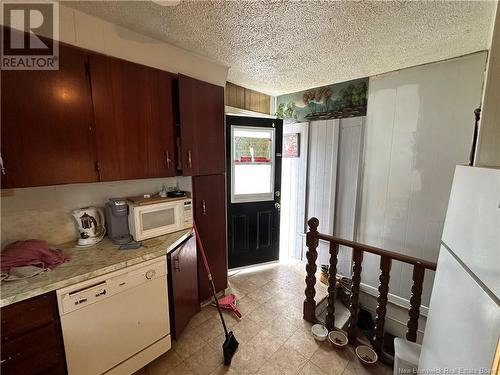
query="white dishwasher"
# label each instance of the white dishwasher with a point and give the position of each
(118, 322)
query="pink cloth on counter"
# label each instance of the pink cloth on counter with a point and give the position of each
(31, 253)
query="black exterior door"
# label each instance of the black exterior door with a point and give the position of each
(253, 192)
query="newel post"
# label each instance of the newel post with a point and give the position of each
(312, 241)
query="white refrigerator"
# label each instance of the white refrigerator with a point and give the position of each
(463, 325)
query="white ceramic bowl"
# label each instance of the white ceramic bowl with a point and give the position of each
(366, 355)
(319, 332)
(337, 339)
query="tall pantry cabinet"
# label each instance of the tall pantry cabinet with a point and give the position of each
(202, 133)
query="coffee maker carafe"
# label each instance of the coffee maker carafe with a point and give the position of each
(90, 223)
(117, 220)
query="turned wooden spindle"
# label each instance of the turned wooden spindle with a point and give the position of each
(312, 241)
(332, 281)
(383, 290)
(357, 258)
(416, 294)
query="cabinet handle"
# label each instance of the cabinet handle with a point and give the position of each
(168, 159)
(189, 159)
(204, 207)
(1, 165)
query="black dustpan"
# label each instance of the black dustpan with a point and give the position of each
(230, 343)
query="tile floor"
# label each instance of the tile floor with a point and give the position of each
(273, 337)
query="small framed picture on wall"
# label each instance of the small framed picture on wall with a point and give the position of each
(291, 145)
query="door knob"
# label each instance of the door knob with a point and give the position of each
(278, 193)
(277, 206)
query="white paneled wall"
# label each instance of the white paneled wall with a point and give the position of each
(293, 195)
(335, 148)
(347, 193)
(322, 178)
(419, 126)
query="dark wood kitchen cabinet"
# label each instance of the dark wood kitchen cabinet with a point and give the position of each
(46, 124)
(31, 338)
(209, 196)
(201, 111)
(183, 286)
(134, 119)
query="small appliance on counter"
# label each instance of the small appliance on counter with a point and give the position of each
(176, 193)
(90, 223)
(117, 221)
(156, 216)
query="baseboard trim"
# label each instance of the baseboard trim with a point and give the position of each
(392, 298)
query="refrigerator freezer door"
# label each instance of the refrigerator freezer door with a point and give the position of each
(472, 226)
(463, 323)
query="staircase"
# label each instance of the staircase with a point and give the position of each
(334, 315)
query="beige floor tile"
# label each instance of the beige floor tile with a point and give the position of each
(305, 325)
(283, 327)
(311, 369)
(182, 369)
(211, 328)
(304, 343)
(294, 313)
(355, 367)
(216, 342)
(263, 315)
(247, 329)
(331, 361)
(286, 361)
(273, 337)
(268, 342)
(204, 361)
(263, 294)
(248, 359)
(164, 363)
(201, 317)
(268, 369)
(224, 370)
(246, 305)
(189, 343)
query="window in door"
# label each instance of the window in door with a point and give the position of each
(252, 151)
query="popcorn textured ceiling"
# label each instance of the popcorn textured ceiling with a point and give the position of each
(285, 46)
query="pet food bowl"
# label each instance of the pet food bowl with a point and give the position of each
(366, 355)
(337, 339)
(319, 332)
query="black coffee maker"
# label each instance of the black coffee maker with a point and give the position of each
(117, 221)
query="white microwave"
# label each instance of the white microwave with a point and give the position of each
(156, 219)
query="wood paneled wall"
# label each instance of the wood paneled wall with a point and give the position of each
(250, 100)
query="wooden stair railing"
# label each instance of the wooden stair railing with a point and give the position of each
(386, 257)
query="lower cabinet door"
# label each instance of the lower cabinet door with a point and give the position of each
(183, 281)
(38, 352)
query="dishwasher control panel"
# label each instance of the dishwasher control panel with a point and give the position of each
(95, 290)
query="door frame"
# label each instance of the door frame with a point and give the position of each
(243, 121)
(298, 221)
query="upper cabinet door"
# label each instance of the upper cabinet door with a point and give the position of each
(135, 119)
(202, 127)
(47, 124)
